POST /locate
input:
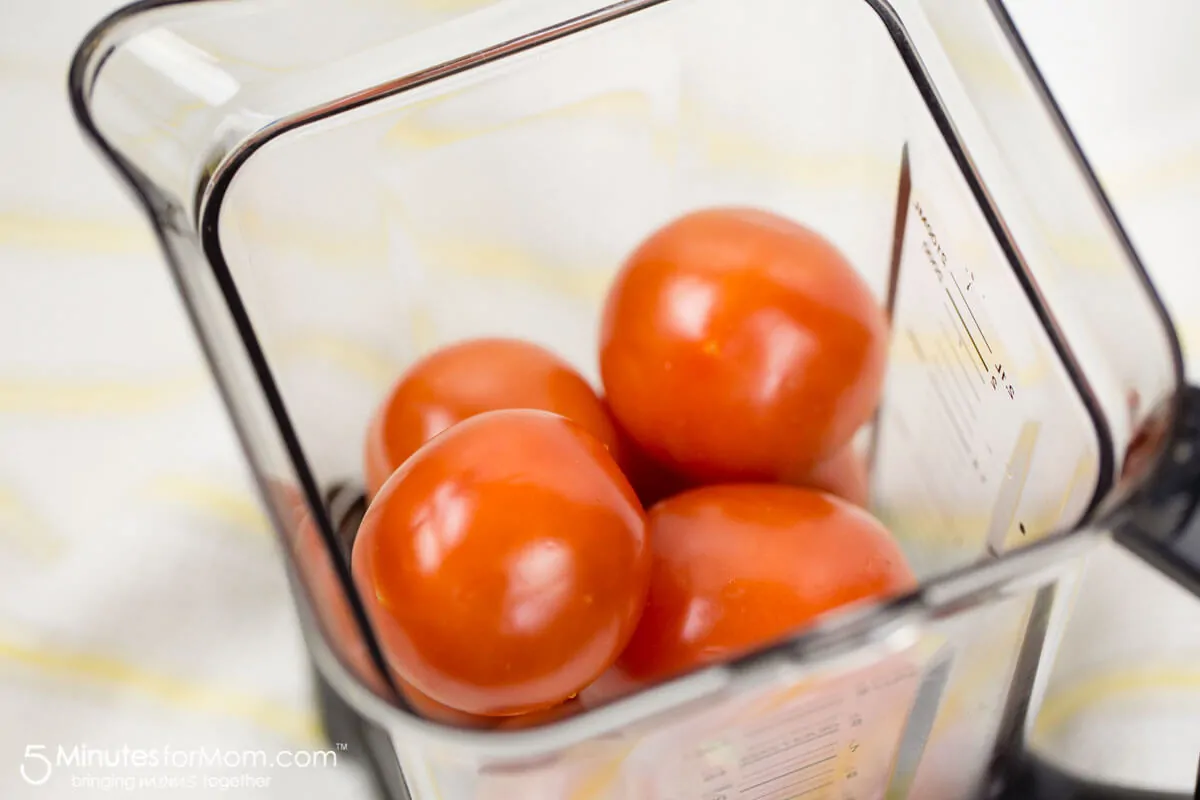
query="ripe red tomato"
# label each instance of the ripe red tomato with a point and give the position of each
(740, 346)
(505, 564)
(543, 717)
(844, 474)
(434, 711)
(651, 480)
(740, 566)
(468, 378)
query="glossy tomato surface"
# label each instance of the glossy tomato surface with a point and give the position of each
(467, 378)
(505, 565)
(738, 346)
(740, 566)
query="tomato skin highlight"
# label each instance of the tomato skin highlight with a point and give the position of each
(739, 346)
(470, 377)
(505, 564)
(737, 567)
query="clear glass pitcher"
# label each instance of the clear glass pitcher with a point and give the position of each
(340, 186)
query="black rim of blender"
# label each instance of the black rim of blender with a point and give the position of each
(82, 68)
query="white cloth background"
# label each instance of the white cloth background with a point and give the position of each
(141, 598)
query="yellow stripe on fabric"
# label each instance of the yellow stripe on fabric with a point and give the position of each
(27, 69)
(325, 245)
(230, 506)
(298, 725)
(169, 128)
(61, 234)
(979, 59)
(424, 330)
(1177, 171)
(452, 5)
(22, 526)
(739, 153)
(1062, 706)
(101, 396)
(414, 133)
(511, 262)
(358, 359)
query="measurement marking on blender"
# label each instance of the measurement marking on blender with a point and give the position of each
(983, 378)
(1000, 379)
(789, 762)
(768, 756)
(825, 725)
(971, 312)
(789, 773)
(947, 342)
(786, 792)
(961, 426)
(804, 793)
(966, 329)
(798, 713)
(787, 744)
(781, 755)
(963, 379)
(782, 747)
(957, 379)
(926, 483)
(962, 439)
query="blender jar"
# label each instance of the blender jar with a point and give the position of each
(340, 187)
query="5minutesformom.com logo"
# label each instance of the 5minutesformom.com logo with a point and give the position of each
(41, 763)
